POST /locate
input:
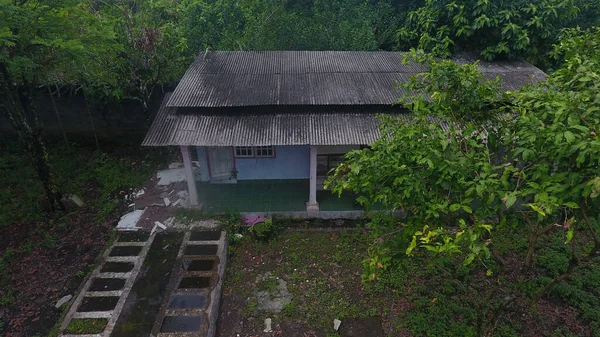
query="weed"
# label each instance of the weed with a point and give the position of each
(233, 225)
(269, 285)
(49, 240)
(8, 256)
(251, 308)
(27, 247)
(188, 215)
(87, 326)
(266, 230)
(289, 309)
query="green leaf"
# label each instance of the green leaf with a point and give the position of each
(469, 259)
(510, 200)
(569, 235)
(569, 136)
(454, 207)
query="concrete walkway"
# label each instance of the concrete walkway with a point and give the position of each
(106, 290)
(190, 305)
(194, 292)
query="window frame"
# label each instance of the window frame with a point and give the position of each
(243, 148)
(329, 157)
(254, 151)
(267, 148)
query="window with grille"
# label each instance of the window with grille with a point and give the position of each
(244, 151)
(264, 151)
(255, 151)
(327, 162)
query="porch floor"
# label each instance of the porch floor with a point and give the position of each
(268, 196)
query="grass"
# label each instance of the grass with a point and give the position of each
(321, 273)
(414, 297)
(87, 326)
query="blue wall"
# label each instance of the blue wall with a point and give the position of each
(204, 176)
(290, 162)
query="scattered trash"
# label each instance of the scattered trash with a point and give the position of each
(130, 220)
(268, 325)
(140, 193)
(167, 201)
(336, 324)
(159, 224)
(62, 301)
(176, 202)
(251, 220)
(165, 247)
(238, 235)
(71, 202)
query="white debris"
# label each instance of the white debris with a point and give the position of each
(129, 220)
(159, 224)
(336, 324)
(167, 201)
(268, 325)
(166, 177)
(238, 235)
(76, 200)
(175, 165)
(140, 193)
(176, 202)
(62, 301)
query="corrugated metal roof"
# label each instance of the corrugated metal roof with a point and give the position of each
(254, 78)
(173, 129)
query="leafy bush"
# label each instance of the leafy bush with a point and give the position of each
(266, 230)
(232, 224)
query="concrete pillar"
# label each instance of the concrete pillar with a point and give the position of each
(312, 205)
(189, 175)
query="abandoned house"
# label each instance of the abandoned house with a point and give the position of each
(259, 130)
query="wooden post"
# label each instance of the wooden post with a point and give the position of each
(312, 205)
(189, 175)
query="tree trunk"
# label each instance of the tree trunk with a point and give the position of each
(87, 108)
(14, 106)
(62, 127)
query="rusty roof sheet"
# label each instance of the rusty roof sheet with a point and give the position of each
(261, 78)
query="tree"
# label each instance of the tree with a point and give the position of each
(467, 162)
(34, 35)
(493, 28)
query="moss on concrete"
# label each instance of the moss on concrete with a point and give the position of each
(86, 326)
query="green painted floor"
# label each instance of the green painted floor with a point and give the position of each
(268, 196)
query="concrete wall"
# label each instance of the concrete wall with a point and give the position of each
(290, 162)
(126, 118)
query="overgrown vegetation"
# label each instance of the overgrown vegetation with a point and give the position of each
(322, 271)
(524, 160)
(34, 239)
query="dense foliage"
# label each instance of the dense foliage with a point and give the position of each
(112, 50)
(471, 161)
(495, 28)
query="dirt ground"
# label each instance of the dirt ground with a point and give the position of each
(48, 272)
